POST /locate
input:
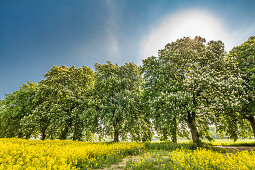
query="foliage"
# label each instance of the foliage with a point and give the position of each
(117, 102)
(14, 108)
(61, 101)
(157, 87)
(183, 82)
(243, 57)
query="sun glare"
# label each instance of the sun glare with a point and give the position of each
(184, 23)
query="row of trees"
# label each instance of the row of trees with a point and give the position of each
(191, 86)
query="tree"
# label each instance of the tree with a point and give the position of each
(157, 87)
(182, 82)
(44, 118)
(116, 100)
(14, 108)
(61, 102)
(244, 58)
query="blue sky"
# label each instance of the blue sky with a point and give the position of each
(37, 34)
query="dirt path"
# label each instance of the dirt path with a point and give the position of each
(121, 165)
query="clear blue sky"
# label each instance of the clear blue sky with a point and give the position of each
(37, 34)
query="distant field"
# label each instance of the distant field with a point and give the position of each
(55, 154)
(226, 142)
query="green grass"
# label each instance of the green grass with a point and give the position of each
(169, 146)
(155, 159)
(188, 145)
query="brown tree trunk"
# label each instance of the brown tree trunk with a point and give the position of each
(116, 136)
(28, 136)
(174, 131)
(20, 135)
(193, 129)
(63, 134)
(43, 134)
(77, 134)
(252, 121)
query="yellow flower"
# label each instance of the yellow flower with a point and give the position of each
(34, 154)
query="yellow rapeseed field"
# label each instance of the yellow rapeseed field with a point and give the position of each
(35, 154)
(55, 154)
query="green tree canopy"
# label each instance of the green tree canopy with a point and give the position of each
(243, 57)
(61, 101)
(117, 101)
(181, 84)
(14, 108)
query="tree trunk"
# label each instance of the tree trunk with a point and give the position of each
(165, 134)
(174, 131)
(116, 131)
(116, 136)
(193, 129)
(252, 121)
(28, 136)
(43, 134)
(77, 134)
(64, 133)
(20, 135)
